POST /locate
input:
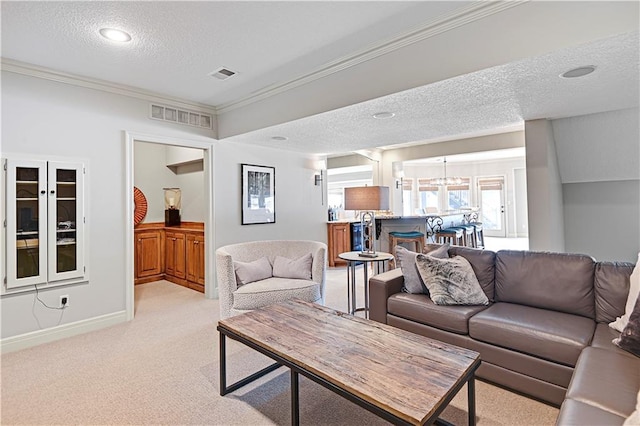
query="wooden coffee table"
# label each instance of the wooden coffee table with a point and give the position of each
(402, 377)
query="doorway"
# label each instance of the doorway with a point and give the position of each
(491, 201)
(208, 207)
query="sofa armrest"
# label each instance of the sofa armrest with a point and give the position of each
(382, 286)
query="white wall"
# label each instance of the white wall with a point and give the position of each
(42, 117)
(300, 213)
(191, 183)
(151, 174)
(544, 189)
(599, 162)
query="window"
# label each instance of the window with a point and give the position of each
(459, 196)
(428, 195)
(407, 198)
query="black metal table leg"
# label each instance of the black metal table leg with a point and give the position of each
(471, 395)
(295, 400)
(223, 365)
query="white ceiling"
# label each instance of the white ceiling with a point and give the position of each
(315, 72)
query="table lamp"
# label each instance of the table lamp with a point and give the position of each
(172, 203)
(366, 199)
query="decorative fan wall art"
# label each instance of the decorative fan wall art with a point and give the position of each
(140, 206)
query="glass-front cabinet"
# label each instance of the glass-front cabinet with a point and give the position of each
(44, 222)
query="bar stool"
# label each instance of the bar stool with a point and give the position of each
(406, 237)
(453, 235)
(468, 234)
(478, 234)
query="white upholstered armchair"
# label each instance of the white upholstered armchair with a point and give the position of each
(258, 273)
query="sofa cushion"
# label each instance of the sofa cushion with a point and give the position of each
(556, 281)
(634, 290)
(273, 290)
(450, 281)
(611, 281)
(406, 259)
(577, 413)
(607, 380)
(550, 335)
(420, 308)
(248, 272)
(299, 268)
(603, 338)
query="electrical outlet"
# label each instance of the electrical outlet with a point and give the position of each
(64, 301)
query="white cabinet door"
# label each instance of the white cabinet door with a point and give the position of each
(66, 220)
(26, 223)
(45, 230)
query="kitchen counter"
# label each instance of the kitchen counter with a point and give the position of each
(427, 223)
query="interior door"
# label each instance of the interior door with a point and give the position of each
(491, 200)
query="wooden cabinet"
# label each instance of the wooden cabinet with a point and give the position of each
(195, 261)
(185, 257)
(339, 242)
(148, 256)
(175, 255)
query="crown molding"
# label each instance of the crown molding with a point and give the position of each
(476, 11)
(31, 70)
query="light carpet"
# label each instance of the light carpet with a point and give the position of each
(162, 368)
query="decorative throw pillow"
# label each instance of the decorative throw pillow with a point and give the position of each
(629, 339)
(407, 261)
(634, 290)
(299, 268)
(450, 281)
(248, 272)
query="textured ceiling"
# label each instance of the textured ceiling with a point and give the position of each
(499, 98)
(271, 44)
(177, 44)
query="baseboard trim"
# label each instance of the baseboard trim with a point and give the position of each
(34, 338)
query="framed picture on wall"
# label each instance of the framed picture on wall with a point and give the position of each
(258, 194)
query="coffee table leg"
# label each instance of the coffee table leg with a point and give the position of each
(471, 395)
(223, 365)
(295, 401)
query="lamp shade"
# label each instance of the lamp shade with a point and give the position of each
(366, 198)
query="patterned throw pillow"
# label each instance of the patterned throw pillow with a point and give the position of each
(406, 259)
(629, 339)
(450, 281)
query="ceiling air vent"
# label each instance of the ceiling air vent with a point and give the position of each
(222, 73)
(181, 116)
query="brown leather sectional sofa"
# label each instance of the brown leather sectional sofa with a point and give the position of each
(544, 334)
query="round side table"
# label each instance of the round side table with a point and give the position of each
(353, 258)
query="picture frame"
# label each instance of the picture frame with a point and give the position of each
(258, 194)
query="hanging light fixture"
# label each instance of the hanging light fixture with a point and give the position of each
(446, 180)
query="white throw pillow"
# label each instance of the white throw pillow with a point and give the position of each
(634, 289)
(248, 272)
(299, 268)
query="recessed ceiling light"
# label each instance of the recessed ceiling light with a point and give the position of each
(579, 72)
(383, 115)
(279, 138)
(115, 35)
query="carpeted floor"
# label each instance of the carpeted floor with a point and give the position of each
(162, 368)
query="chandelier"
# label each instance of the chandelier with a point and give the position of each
(445, 181)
